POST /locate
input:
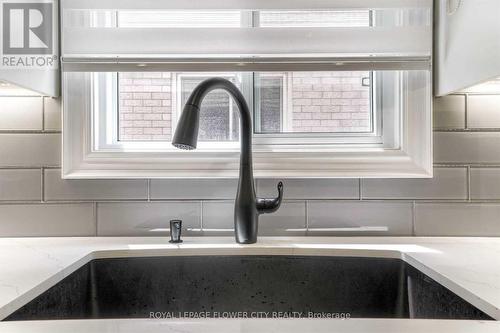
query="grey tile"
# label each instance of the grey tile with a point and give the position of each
(289, 220)
(193, 188)
(485, 183)
(21, 113)
(146, 218)
(311, 188)
(218, 217)
(30, 150)
(483, 111)
(20, 184)
(449, 112)
(100, 189)
(52, 113)
(447, 183)
(378, 218)
(39, 220)
(467, 147)
(455, 219)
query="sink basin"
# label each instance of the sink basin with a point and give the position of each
(247, 286)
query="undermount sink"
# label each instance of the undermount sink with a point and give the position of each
(305, 286)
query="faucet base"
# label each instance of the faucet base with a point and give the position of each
(249, 241)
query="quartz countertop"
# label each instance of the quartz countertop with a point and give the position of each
(470, 267)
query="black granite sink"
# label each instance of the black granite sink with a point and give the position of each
(247, 286)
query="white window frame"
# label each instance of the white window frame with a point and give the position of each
(286, 110)
(413, 157)
(105, 115)
(405, 150)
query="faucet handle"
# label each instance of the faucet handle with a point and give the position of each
(265, 206)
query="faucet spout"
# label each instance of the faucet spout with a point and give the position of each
(247, 207)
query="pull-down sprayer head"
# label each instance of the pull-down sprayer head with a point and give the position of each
(186, 134)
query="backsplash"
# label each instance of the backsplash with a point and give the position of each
(463, 199)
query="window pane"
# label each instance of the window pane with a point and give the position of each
(149, 102)
(280, 19)
(288, 102)
(179, 19)
(314, 102)
(145, 106)
(270, 103)
(219, 120)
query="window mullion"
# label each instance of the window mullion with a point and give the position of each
(256, 103)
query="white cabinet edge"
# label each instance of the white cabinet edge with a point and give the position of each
(467, 44)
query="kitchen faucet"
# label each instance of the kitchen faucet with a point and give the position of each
(247, 206)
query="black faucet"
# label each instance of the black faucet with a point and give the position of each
(247, 207)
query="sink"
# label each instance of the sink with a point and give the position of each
(246, 286)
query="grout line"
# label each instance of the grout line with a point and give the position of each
(387, 200)
(469, 196)
(149, 189)
(102, 200)
(447, 129)
(306, 202)
(96, 221)
(466, 111)
(404, 200)
(43, 113)
(467, 130)
(42, 185)
(465, 164)
(483, 165)
(22, 167)
(27, 167)
(201, 215)
(39, 202)
(360, 195)
(414, 219)
(449, 165)
(5, 131)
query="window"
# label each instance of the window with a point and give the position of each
(148, 103)
(319, 102)
(288, 102)
(272, 103)
(331, 82)
(324, 18)
(219, 121)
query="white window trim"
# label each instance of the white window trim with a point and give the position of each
(286, 109)
(105, 117)
(412, 159)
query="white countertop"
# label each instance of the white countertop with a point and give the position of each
(470, 267)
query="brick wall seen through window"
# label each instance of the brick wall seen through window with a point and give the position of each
(297, 102)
